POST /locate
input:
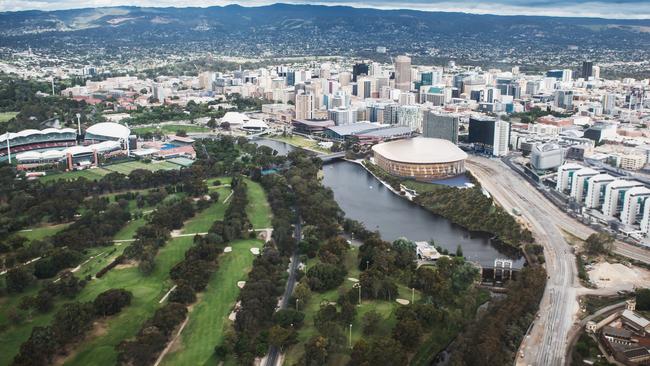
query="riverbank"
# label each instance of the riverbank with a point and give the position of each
(469, 208)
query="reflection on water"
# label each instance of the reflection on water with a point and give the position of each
(362, 197)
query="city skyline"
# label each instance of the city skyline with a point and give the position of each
(619, 9)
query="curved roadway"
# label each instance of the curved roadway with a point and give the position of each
(547, 341)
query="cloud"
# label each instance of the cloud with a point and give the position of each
(622, 9)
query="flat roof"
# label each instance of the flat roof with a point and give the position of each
(353, 128)
(420, 150)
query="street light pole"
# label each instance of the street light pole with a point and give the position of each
(350, 341)
(412, 295)
(297, 300)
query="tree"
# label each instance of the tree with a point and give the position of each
(212, 123)
(643, 299)
(18, 279)
(361, 354)
(38, 349)
(370, 322)
(599, 243)
(325, 276)
(408, 332)
(288, 318)
(72, 321)
(281, 337)
(316, 351)
(111, 301)
(183, 294)
(181, 133)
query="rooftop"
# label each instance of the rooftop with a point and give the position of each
(420, 150)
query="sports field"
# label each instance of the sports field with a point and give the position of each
(128, 167)
(169, 129)
(209, 317)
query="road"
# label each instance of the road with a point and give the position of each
(547, 341)
(271, 358)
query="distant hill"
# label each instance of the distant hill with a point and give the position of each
(312, 29)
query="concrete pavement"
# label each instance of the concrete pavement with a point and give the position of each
(546, 342)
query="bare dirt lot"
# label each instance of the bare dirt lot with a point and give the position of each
(617, 276)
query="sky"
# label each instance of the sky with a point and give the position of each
(621, 9)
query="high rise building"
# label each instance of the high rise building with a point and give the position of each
(615, 196)
(403, 73)
(359, 69)
(564, 180)
(587, 69)
(564, 99)
(305, 106)
(596, 190)
(489, 135)
(342, 116)
(634, 203)
(580, 183)
(596, 72)
(441, 126)
(410, 116)
(609, 103)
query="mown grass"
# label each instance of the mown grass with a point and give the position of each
(209, 317)
(170, 129)
(258, 209)
(384, 307)
(6, 116)
(147, 292)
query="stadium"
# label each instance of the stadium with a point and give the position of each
(32, 148)
(420, 158)
(35, 140)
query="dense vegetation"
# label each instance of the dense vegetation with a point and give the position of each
(70, 325)
(495, 337)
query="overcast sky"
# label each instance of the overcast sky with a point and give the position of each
(633, 9)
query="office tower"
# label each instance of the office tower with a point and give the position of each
(596, 72)
(426, 78)
(359, 69)
(564, 99)
(580, 183)
(205, 80)
(410, 116)
(291, 78)
(564, 180)
(440, 126)
(609, 102)
(390, 113)
(587, 69)
(342, 116)
(305, 106)
(159, 92)
(567, 75)
(596, 190)
(403, 73)
(489, 135)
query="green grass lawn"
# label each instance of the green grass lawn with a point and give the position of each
(204, 221)
(40, 232)
(209, 316)
(170, 129)
(300, 141)
(6, 116)
(384, 307)
(128, 167)
(98, 173)
(90, 174)
(258, 209)
(147, 291)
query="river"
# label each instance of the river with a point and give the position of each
(363, 198)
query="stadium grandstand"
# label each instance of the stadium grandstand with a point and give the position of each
(34, 148)
(35, 140)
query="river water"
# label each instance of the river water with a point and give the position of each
(363, 198)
